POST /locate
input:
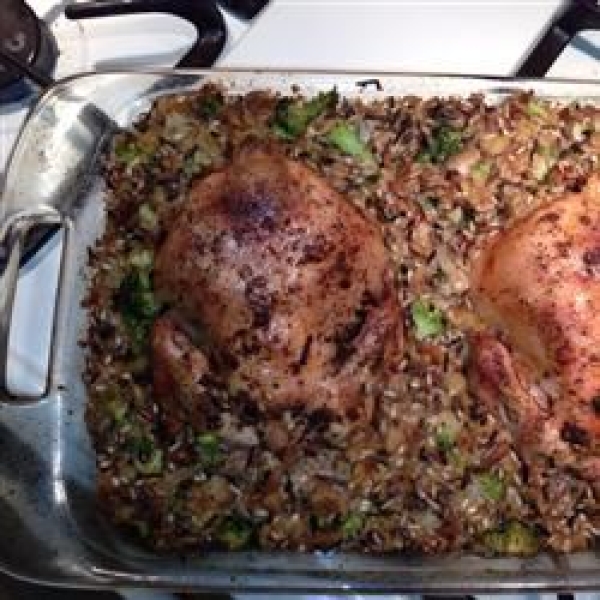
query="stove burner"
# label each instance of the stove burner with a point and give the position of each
(29, 40)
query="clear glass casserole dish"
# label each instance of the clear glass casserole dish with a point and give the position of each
(52, 531)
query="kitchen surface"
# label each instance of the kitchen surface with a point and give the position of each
(482, 37)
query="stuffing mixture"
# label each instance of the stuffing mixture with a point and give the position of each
(310, 325)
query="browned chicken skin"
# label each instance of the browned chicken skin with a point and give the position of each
(289, 283)
(537, 285)
(181, 370)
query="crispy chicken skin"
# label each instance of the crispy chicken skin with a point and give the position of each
(289, 283)
(537, 286)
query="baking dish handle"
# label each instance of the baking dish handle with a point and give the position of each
(572, 18)
(12, 242)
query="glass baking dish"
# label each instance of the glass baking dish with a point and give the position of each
(52, 532)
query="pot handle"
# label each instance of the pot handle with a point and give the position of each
(572, 18)
(12, 242)
(205, 16)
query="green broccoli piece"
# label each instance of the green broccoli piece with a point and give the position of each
(115, 405)
(141, 259)
(130, 149)
(536, 108)
(235, 533)
(137, 304)
(492, 486)
(149, 459)
(209, 449)
(445, 438)
(481, 170)
(128, 153)
(513, 539)
(344, 136)
(209, 106)
(442, 145)
(135, 298)
(293, 116)
(153, 465)
(147, 217)
(352, 525)
(543, 160)
(445, 429)
(428, 320)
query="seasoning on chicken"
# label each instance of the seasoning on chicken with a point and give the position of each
(537, 285)
(290, 285)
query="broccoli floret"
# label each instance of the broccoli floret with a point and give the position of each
(481, 170)
(514, 539)
(130, 150)
(427, 319)
(209, 449)
(147, 217)
(292, 117)
(345, 137)
(442, 145)
(141, 259)
(537, 108)
(445, 438)
(542, 161)
(209, 106)
(136, 299)
(149, 459)
(153, 465)
(445, 430)
(114, 404)
(235, 533)
(352, 525)
(137, 304)
(492, 486)
(128, 153)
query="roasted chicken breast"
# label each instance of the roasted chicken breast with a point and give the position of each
(288, 284)
(537, 286)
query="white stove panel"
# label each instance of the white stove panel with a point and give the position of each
(441, 36)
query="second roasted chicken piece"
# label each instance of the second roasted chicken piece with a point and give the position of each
(537, 286)
(289, 284)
